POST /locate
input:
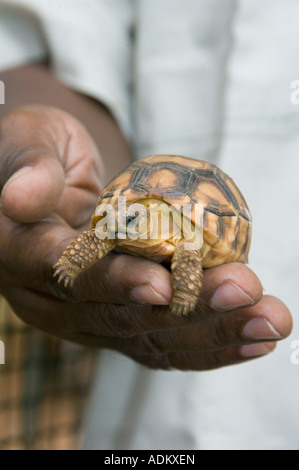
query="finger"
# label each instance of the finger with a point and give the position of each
(269, 320)
(203, 361)
(48, 161)
(115, 279)
(145, 279)
(156, 319)
(32, 176)
(230, 286)
(123, 279)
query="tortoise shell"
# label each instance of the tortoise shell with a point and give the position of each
(182, 180)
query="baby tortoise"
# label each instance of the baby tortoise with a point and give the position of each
(152, 191)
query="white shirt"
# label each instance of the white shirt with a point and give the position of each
(210, 79)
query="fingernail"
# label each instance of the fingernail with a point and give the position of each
(229, 296)
(21, 172)
(260, 328)
(146, 294)
(255, 350)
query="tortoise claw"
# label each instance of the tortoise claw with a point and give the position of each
(58, 269)
(63, 276)
(180, 309)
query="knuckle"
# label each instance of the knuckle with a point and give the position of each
(150, 344)
(117, 321)
(220, 334)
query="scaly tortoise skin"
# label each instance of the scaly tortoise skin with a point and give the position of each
(166, 180)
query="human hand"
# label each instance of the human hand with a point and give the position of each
(44, 209)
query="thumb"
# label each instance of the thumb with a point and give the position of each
(31, 172)
(34, 190)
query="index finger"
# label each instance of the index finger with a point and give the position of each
(133, 320)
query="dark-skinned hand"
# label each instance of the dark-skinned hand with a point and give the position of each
(51, 176)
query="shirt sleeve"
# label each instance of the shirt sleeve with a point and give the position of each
(88, 42)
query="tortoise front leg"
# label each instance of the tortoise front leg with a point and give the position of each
(82, 253)
(186, 267)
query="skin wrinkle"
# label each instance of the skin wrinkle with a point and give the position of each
(64, 150)
(63, 146)
(97, 172)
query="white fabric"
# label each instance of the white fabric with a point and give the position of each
(179, 71)
(88, 42)
(211, 78)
